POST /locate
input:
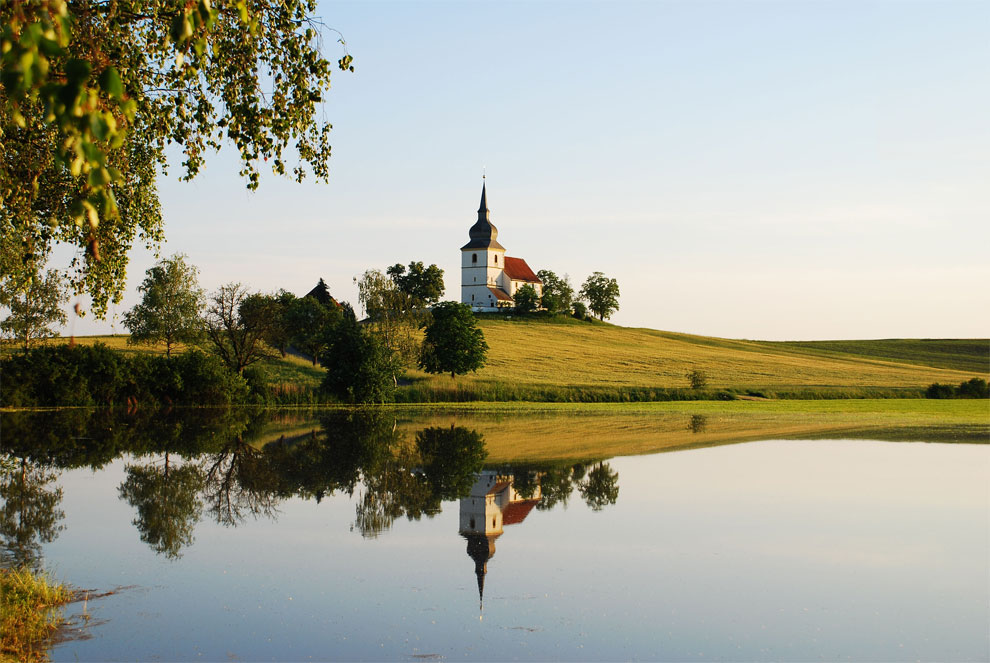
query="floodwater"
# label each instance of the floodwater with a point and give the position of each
(206, 539)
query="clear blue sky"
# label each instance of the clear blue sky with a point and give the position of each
(773, 170)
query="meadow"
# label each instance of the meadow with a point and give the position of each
(565, 360)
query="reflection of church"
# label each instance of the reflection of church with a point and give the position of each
(492, 504)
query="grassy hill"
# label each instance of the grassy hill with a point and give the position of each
(539, 359)
(535, 353)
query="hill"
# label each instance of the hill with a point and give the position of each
(538, 353)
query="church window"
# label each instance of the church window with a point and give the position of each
(472, 523)
(496, 260)
(493, 522)
(474, 257)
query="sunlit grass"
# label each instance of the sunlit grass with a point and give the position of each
(29, 613)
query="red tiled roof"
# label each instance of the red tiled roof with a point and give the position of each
(517, 270)
(499, 487)
(500, 295)
(516, 512)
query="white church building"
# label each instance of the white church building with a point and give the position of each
(489, 278)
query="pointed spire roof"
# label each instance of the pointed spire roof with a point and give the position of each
(483, 234)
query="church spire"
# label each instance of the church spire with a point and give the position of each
(483, 234)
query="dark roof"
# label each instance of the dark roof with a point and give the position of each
(500, 295)
(321, 293)
(516, 512)
(517, 270)
(483, 233)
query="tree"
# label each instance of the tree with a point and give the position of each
(580, 310)
(558, 293)
(359, 368)
(526, 299)
(95, 91)
(308, 324)
(452, 458)
(35, 309)
(602, 294)
(235, 325)
(169, 311)
(697, 378)
(424, 285)
(453, 343)
(393, 315)
(29, 512)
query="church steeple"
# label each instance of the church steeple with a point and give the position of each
(483, 234)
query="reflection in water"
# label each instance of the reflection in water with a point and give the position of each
(493, 503)
(699, 423)
(30, 515)
(167, 502)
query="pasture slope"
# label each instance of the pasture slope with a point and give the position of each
(537, 352)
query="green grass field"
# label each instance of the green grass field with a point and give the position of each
(537, 359)
(538, 353)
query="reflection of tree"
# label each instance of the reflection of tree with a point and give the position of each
(30, 515)
(238, 483)
(555, 488)
(698, 423)
(414, 482)
(601, 487)
(167, 502)
(451, 458)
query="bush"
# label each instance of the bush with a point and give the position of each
(698, 379)
(580, 310)
(974, 388)
(63, 375)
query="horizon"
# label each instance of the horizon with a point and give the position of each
(763, 171)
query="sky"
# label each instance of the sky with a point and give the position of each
(762, 170)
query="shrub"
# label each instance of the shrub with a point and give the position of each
(580, 310)
(974, 388)
(936, 390)
(697, 378)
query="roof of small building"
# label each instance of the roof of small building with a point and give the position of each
(500, 294)
(517, 270)
(516, 512)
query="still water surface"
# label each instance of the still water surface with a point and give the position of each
(768, 550)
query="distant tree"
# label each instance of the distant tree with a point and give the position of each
(235, 324)
(169, 311)
(974, 388)
(526, 299)
(309, 323)
(393, 315)
(278, 333)
(558, 293)
(424, 285)
(167, 502)
(601, 487)
(580, 310)
(35, 308)
(602, 295)
(453, 343)
(359, 368)
(697, 378)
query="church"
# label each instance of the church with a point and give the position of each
(489, 278)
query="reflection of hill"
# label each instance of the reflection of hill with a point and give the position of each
(571, 435)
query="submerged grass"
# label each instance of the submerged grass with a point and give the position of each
(29, 614)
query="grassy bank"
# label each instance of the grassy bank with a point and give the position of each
(573, 361)
(29, 614)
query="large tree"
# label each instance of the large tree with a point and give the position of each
(235, 325)
(424, 285)
(526, 299)
(558, 293)
(394, 316)
(602, 294)
(359, 368)
(92, 92)
(453, 343)
(170, 305)
(35, 308)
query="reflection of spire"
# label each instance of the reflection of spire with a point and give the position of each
(480, 548)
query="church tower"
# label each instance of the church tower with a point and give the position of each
(482, 262)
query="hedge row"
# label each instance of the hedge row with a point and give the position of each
(95, 375)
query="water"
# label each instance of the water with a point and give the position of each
(770, 550)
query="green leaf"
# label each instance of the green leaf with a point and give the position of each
(110, 83)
